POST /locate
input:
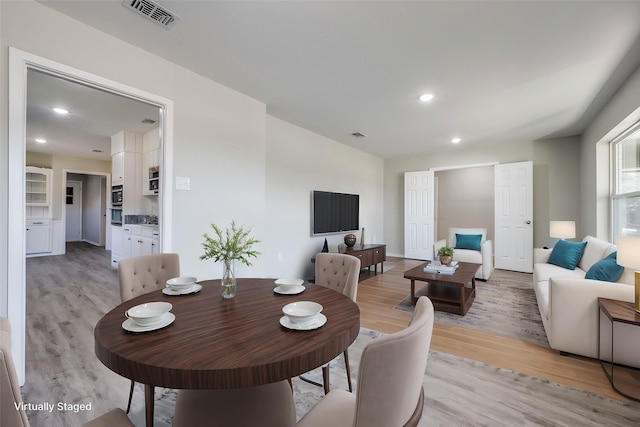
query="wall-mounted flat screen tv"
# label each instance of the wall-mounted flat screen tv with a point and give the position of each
(334, 212)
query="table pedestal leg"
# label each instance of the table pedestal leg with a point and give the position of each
(149, 394)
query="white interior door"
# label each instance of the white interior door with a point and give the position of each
(73, 207)
(514, 216)
(419, 215)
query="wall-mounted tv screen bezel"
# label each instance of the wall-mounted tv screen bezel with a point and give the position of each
(333, 213)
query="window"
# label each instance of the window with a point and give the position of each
(625, 202)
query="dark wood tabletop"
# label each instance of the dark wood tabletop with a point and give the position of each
(218, 343)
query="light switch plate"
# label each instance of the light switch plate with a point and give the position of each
(183, 183)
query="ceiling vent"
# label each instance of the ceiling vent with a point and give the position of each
(358, 135)
(152, 11)
(148, 121)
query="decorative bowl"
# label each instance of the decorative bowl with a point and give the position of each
(149, 313)
(302, 311)
(181, 283)
(288, 284)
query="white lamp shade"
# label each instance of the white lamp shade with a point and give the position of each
(629, 252)
(562, 229)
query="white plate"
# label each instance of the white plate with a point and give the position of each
(131, 326)
(320, 320)
(192, 290)
(290, 291)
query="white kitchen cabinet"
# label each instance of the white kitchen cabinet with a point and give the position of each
(38, 236)
(37, 186)
(139, 240)
(126, 164)
(116, 245)
(117, 168)
(126, 141)
(150, 159)
(37, 192)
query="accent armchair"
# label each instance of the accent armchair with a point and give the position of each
(390, 391)
(467, 251)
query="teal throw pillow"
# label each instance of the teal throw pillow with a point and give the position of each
(468, 241)
(606, 269)
(567, 254)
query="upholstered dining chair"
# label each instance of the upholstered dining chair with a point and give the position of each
(269, 405)
(339, 272)
(11, 413)
(144, 274)
(390, 391)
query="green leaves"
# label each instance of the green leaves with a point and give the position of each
(445, 251)
(232, 243)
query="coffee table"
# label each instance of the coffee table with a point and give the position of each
(447, 292)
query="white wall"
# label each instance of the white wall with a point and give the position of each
(556, 174)
(619, 114)
(298, 162)
(219, 143)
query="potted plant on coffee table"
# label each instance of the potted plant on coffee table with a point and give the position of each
(445, 255)
(229, 245)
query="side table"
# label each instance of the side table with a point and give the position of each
(617, 312)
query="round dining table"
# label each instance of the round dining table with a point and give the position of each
(217, 343)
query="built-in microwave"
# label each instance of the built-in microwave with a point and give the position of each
(116, 195)
(116, 216)
(154, 179)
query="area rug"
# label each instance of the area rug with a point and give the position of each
(502, 307)
(458, 392)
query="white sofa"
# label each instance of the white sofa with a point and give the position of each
(484, 256)
(568, 305)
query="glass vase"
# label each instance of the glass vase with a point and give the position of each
(228, 281)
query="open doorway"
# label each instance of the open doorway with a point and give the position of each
(19, 64)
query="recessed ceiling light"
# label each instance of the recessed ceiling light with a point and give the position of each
(455, 140)
(41, 140)
(426, 97)
(61, 110)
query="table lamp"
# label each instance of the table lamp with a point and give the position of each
(562, 229)
(629, 256)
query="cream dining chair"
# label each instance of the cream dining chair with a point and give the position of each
(144, 274)
(390, 392)
(11, 413)
(339, 272)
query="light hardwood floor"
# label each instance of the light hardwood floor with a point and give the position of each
(67, 295)
(377, 295)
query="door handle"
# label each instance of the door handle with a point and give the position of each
(528, 222)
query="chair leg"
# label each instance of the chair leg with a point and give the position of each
(325, 378)
(133, 383)
(346, 364)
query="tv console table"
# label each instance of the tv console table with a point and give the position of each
(369, 255)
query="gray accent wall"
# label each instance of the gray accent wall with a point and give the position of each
(465, 198)
(556, 182)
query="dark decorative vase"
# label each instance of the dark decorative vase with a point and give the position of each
(350, 240)
(325, 248)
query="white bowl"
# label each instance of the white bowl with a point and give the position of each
(181, 283)
(302, 311)
(288, 284)
(149, 313)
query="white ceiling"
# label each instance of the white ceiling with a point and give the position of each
(502, 71)
(94, 115)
